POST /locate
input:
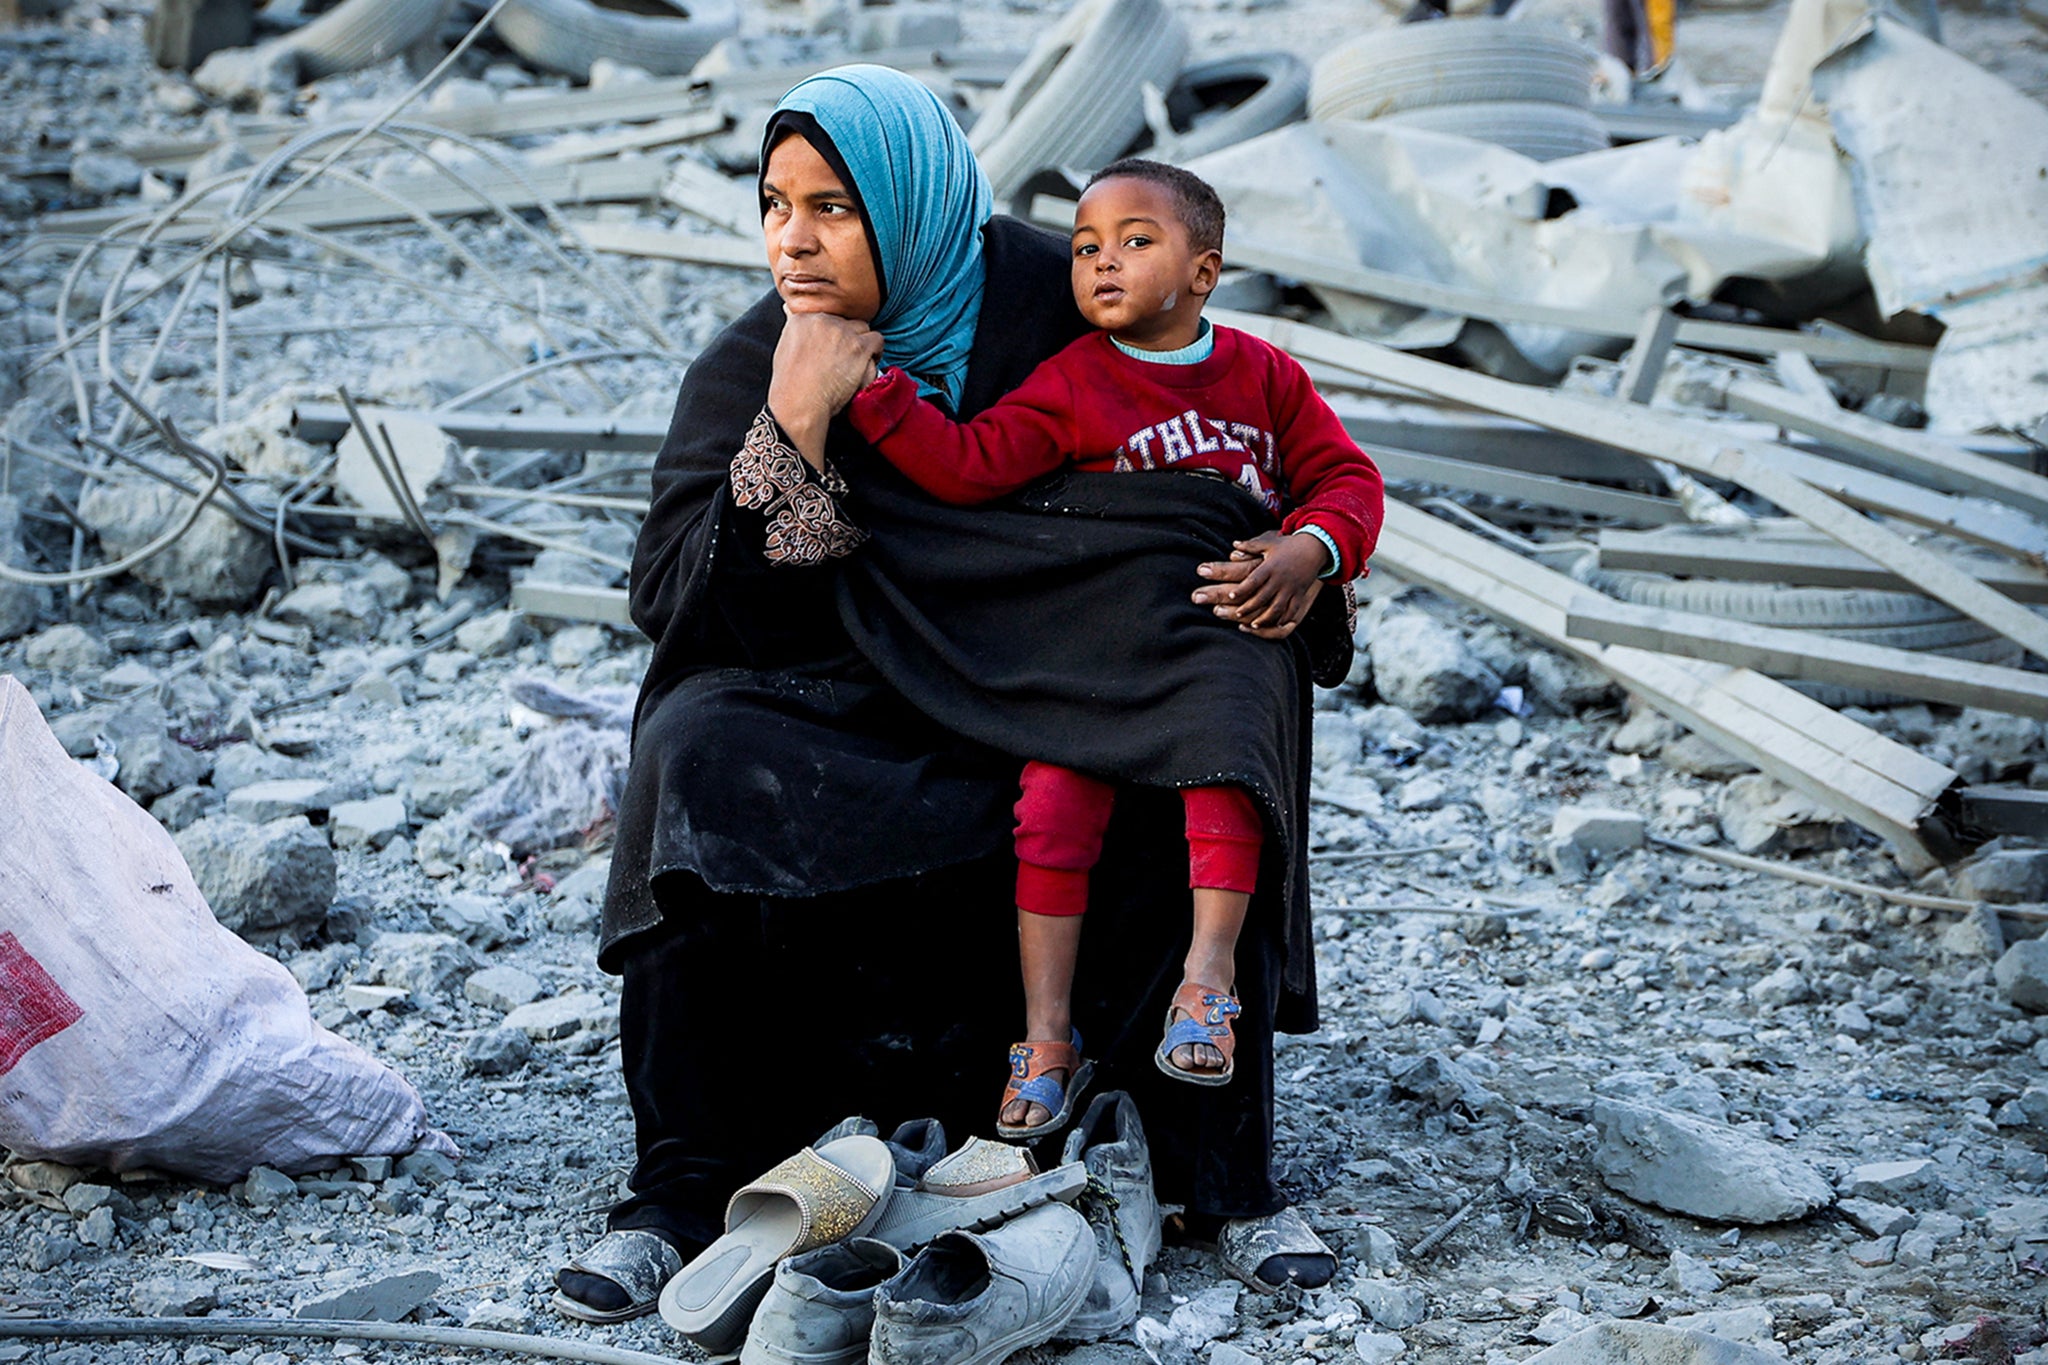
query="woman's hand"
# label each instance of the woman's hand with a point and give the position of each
(1268, 583)
(821, 362)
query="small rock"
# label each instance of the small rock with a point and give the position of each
(503, 989)
(497, 1052)
(580, 645)
(1425, 792)
(105, 174)
(1601, 830)
(1785, 986)
(67, 649)
(1877, 1219)
(1691, 1276)
(1850, 1019)
(476, 920)
(266, 1188)
(557, 1017)
(1568, 685)
(1377, 1249)
(431, 966)
(2022, 974)
(1882, 1179)
(97, 1228)
(1759, 815)
(373, 1169)
(1644, 732)
(1377, 1348)
(333, 611)
(1393, 1306)
(1206, 1316)
(1227, 1354)
(46, 1252)
(493, 1316)
(1978, 932)
(173, 1298)
(369, 999)
(1700, 757)
(429, 1168)
(386, 1298)
(44, 1177)
(367, 824)
(184, 807)
(1753, 1323)
(216, 562)
(261, 802)
(82, 1199)
(243, 765)
(2008, 876)
(497, 633)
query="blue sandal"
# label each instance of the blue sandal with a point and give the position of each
(1207, 1014)
(1029, 1081)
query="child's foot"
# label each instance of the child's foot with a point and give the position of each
(1045, 1080)
(1200, 1044)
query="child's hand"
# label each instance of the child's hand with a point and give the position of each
(1268, 583)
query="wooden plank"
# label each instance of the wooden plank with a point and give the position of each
(573, 602)
(1811, 655)
(1802, 563)
(1914, 455)
(1410, 467)
(1476, 303)
(1881, 785)
(1691, 445)
(696, 248)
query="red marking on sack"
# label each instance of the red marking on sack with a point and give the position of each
(32, 1006)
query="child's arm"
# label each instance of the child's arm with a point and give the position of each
(1331, 484)
(1269, 582)
(1028, 433)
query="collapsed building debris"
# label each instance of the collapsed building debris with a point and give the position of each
(329, 423)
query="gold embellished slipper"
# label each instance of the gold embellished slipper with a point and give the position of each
(981, 1185)
(813, 1199)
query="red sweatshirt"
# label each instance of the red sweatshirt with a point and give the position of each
(1248, 411)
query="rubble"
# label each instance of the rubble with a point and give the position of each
(1685, 1164)
(365, 791)
(261, 879)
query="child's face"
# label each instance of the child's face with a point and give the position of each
(1136, 275)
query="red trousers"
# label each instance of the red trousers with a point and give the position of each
(1061, 816)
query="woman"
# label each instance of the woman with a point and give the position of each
(810, 898)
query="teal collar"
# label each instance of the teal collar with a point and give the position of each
(1194, 353)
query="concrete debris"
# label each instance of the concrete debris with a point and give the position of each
(1425, 668)
(1686, 1165)
(218, 562)
(1649, 1343)
(408, 799)
(261, 880)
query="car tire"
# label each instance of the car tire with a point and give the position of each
(1420, 66)
(1541, 132)
(1078, 99)
(663, 37)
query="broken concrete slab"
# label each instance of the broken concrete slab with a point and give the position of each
(1687, 1165)
(502, 988)
(384, 1298)
(557, 1017)
(1649, 1343)
(1603, 830)
(367, 824)
(263, 801)
(1889, 1179)
(497, 1052)
(216, 562)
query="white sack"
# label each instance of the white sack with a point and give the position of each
(135, 1030)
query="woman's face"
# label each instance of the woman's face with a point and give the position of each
(817, 243)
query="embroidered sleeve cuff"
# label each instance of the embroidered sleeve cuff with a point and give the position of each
(805, 524)
(1336, 566)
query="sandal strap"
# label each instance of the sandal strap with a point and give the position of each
(830, 1200)
(1030, 1065)
(636, 1261)
(1209, 1015)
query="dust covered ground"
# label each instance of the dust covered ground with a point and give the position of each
(1467, 1040)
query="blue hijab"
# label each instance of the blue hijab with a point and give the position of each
(925, 199)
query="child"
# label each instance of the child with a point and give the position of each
(1156, 387)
